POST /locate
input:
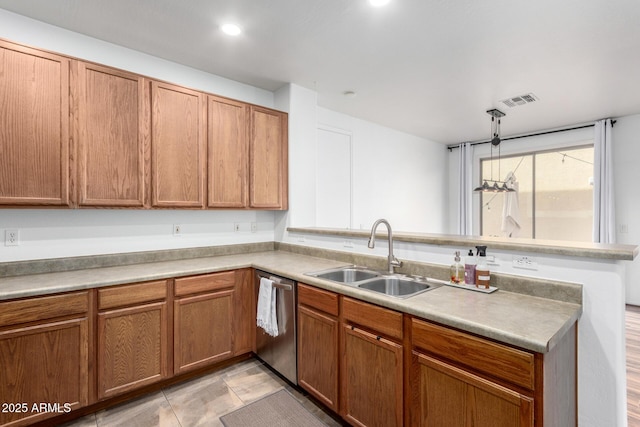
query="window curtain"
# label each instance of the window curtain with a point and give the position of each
(465, 204)
(604, 215)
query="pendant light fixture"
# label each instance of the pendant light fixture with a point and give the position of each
(491, 185)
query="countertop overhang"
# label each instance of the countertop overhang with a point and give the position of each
(552, 247)
(524, 321)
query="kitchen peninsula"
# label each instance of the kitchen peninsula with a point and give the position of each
(538, 326)
(599, 268)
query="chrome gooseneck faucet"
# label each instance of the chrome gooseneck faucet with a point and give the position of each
(393, 261)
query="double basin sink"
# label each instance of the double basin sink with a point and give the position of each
(395, 285)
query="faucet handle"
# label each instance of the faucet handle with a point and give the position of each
(396, 263)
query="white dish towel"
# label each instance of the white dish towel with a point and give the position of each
(267, 318)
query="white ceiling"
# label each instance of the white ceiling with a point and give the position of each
(427, 67)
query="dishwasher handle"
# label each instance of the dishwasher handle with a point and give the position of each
(277, 284)
(283, 286)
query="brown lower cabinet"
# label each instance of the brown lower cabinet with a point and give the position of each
(132, 337)
(371, 384)
(213, 318)
(203, 315)
(318, 355)
(395, 369)
(44, 357)
(371, 365)
(372, 379)
(447, 396)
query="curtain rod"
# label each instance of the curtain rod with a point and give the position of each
(451, 147)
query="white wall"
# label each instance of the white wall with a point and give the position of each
(396, 176)
(54, 233)
(626, 155)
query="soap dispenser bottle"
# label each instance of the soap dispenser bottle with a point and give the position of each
(483, 277)
(470, 268)
(457, 269)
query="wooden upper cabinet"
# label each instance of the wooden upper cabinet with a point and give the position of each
(177, 146)
(112, 133)
(78, 134)
(268, 159)
(227, 153)
(34, 127)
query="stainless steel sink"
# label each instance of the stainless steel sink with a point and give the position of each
(395, 286)
(346, 274)
(398, 286)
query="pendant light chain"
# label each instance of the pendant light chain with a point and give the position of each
(495, 140)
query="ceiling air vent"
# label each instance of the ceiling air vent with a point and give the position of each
(520, 100)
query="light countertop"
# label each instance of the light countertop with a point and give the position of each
(550, 247)
(525, 321)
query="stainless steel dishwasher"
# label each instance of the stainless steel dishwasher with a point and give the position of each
(280, 352)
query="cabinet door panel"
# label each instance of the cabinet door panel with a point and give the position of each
(268, 159)
(513, 365)
(372, 379)
(445, 395)
(318, 355)
(227, 153)
(202, 330)
(34, 127)
(47, 363)
(244, 312)
(132, 348)
(177, 146)
(113, 126)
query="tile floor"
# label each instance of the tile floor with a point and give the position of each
(201, 401)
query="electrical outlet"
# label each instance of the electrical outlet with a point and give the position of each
(348, 244)
(254, 227)
(177, 230)
(236, 226)
(525, 262)
(12, 237)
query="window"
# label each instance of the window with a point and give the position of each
(555, 194)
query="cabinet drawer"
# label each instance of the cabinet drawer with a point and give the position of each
(120, 296)
(318, 298)
(40, 308)
(509, 364)
(379, 319)
(206, 282)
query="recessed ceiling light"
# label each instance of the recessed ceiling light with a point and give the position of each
(231, 29)
(378, 3)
